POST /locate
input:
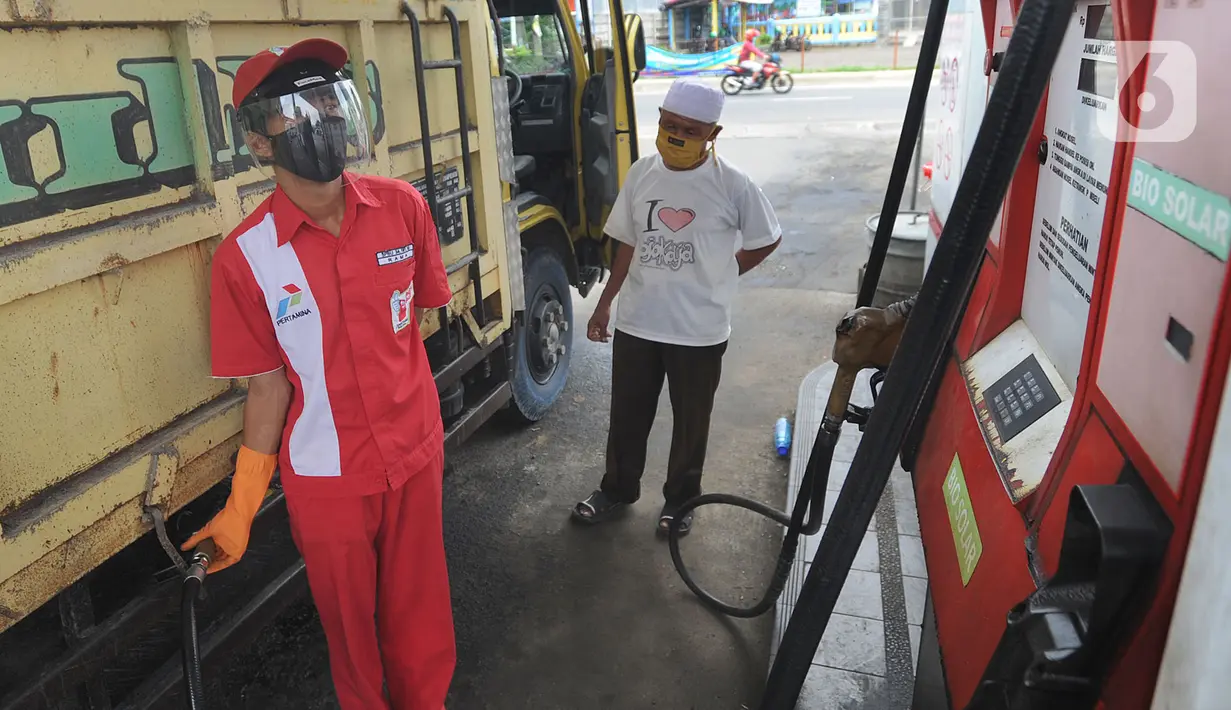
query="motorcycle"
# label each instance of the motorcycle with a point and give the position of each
(738, 78)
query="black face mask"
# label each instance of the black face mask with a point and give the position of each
(313, 150)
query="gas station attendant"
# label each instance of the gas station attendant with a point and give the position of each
(315, 299)
(695, 223)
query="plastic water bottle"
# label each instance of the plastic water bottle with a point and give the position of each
(782, 436)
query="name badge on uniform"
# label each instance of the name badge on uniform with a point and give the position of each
(393, 256)
(399, 307)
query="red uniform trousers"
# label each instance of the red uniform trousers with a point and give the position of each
(376, 568)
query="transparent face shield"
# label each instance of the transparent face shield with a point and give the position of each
(315, 132)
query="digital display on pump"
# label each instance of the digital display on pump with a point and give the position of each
(1098, 78)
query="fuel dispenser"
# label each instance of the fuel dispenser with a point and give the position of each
(1065, 452)
(1058, 387)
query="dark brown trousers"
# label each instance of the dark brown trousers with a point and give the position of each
(638, 367)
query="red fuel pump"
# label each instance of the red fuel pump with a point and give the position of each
(1062, 459)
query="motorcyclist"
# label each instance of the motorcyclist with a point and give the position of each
(746, 61)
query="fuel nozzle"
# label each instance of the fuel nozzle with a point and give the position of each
(866, 337)
(202, 555)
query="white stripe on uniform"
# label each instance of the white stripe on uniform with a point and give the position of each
(314, 449)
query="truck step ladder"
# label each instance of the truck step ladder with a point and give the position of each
(466, 190)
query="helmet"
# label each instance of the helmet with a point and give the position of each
(301, 113)
(752, 33)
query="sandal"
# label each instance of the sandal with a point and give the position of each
(597, 508)
(667, 515)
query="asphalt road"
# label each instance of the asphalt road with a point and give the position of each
(832, 103)
(550, 615)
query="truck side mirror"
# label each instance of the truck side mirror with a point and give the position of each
(634, 34)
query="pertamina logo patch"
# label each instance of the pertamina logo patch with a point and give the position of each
(399, 307)
(288, 307)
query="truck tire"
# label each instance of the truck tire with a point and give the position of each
(544, 345)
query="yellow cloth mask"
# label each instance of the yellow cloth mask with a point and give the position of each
(681, 153)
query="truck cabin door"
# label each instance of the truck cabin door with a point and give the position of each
(543, 61)
(615, 46)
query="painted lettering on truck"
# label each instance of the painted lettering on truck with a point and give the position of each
(67, 152)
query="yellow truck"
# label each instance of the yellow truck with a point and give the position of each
(122, 167)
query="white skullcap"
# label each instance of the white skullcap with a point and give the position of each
(692, 99)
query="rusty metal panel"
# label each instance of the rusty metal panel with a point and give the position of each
(104, 535)
(60, 512)
(95, 365)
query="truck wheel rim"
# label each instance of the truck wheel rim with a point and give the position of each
(545, 336)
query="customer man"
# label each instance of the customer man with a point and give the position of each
(687, 224)
(311, 300)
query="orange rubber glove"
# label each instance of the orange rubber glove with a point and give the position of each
(231, 526)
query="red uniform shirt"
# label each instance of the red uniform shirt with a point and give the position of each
(338, 314)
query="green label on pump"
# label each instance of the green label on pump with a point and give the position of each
(1200, 216)
(962, 521)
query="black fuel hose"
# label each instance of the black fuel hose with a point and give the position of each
(811, 497)
(816, 474)
(194, 579)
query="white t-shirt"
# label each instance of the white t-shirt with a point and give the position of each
(686, 226)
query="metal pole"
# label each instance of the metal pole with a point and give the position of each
(803, 47)
(914, 175)
(911, 125)
(589, 33)
(941, 300)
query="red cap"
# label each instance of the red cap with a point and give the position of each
(252, 72)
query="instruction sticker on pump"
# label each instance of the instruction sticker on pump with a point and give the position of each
(962, 521)
(1070, 201)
